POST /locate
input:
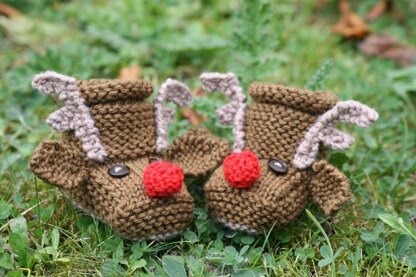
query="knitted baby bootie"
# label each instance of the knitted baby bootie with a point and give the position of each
(112, 160)
(278, 162)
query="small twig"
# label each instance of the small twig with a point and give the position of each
(2, 228)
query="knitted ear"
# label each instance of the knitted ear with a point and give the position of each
(329, 187)
(58, 164)
(170, 91)
(234, 112)
(75, 115)
(323, 131)
(198, 152)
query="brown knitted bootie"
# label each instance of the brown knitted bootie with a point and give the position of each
(278, 162)
(111, 161)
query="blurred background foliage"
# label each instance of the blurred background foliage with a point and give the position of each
(289, 42)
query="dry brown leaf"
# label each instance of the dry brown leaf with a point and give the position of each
(399, 15)
(132, 72)
(378, 10)
(388, 47)
(321, 3)
(350, 25)
(198, 91)
(383, 7)
(193, 116)
(8, 11)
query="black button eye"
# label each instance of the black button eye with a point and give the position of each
(118, 170)
(278, 166)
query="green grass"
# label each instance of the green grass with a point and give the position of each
(42, 234)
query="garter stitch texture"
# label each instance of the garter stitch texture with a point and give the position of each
(198, 151)
(135, 205)
(287, 124)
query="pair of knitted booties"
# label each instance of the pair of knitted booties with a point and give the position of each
(114, 162)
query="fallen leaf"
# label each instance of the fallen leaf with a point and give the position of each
(198, 91)
(193, 116)
(321, 3)
(376, 44)
(388, 47)
(350, 25)
(132, 72)
(383, 7)
(8, 11)
(379, 9)
(399, 15)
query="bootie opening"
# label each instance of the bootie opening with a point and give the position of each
(241, 169)
(162, 179)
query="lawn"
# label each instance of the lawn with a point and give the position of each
(288, 42)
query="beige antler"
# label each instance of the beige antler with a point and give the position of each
(173, 91)
(75, 115)
(322, 131)
(231, 113)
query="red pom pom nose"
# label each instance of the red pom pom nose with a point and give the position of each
(162, 179)
(241, 169)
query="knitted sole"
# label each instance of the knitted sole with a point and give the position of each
(237, 227)
(166, 236)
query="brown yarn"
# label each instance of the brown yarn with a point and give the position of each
(271, 198)
(103, 90)
(127, 130)
(274, 130)
(54, 161)
(275, 126)
(124, 204)
(314, 102)
(198, 152)
(329, 187)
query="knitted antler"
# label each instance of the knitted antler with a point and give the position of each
(232, 113)
(174, 91)
(75, 115)
(322, 130)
